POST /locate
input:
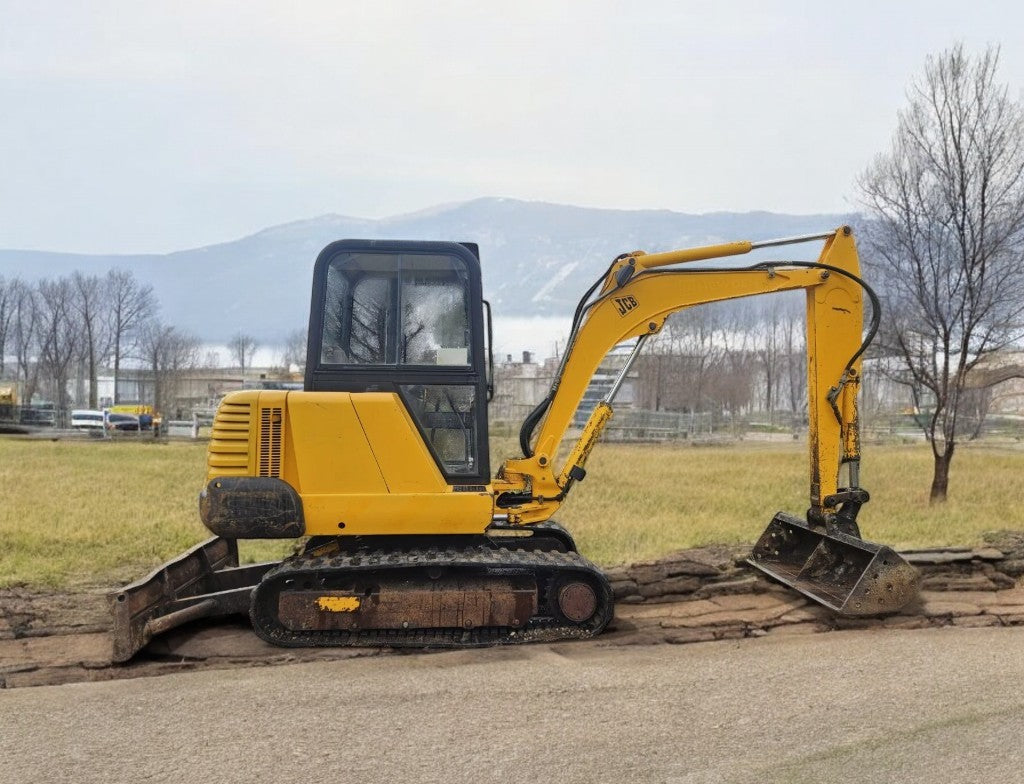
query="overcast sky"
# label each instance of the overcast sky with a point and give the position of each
(149, 127)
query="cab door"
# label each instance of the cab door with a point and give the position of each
(407, 318)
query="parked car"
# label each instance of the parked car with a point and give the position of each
(122, 422)
(145, 413)
(42, 416)
(86, 419)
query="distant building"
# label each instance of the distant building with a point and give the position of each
(521, 384)
(1005, 370)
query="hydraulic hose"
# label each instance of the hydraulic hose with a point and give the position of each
(529, 425)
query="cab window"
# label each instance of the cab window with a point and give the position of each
(396, 309)
(445, 414)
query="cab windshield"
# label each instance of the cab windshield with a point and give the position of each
(396, 309)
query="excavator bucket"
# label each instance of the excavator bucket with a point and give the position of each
(844, 573)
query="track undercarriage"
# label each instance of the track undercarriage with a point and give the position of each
(507, 586)
(431, 597)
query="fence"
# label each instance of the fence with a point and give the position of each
(638, 425)
(909, 428)
(628, 425)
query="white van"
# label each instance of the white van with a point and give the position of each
(86, 419)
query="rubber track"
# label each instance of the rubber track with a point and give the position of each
(546, 567)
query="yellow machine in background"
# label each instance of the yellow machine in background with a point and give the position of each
(8, 402)
(382, 459)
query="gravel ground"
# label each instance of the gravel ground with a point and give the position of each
(932, 705)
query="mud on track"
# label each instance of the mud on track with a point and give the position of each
(692, 596)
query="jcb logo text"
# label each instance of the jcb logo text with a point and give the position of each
(625, 304)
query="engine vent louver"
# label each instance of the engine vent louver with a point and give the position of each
(229, 440)
(270, 441)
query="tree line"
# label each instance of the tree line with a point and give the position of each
(60, 333)
(58, 330)
(728, 360)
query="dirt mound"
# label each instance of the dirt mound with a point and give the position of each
(691, 596)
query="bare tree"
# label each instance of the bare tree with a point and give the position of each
(24, 327)
(294, 350)
(168, 353)
(90, 302)
(771, 353)
(59, 335)
(794, 342)
(8, 289)
(242, 348)
(679, 368)
(948, 230)
(777, 343)
(210, 359)
(655, 367)
(131, 304)
(734, 383)
(661, 369)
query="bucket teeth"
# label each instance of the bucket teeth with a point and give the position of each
(846, 574)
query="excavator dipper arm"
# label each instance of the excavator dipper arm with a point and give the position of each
(635, 301)
(824, 556)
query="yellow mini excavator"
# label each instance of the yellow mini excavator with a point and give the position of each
(381, 460)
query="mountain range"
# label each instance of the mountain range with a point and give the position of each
(537, 258)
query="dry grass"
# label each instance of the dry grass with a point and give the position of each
(639, 502)
(100, 512)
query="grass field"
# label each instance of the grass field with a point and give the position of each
(100, 512)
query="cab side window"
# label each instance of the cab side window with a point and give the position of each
(445, 414)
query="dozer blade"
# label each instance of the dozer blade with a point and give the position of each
(202, 582)
(842, 572)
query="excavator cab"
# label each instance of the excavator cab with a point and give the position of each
(407, 318)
